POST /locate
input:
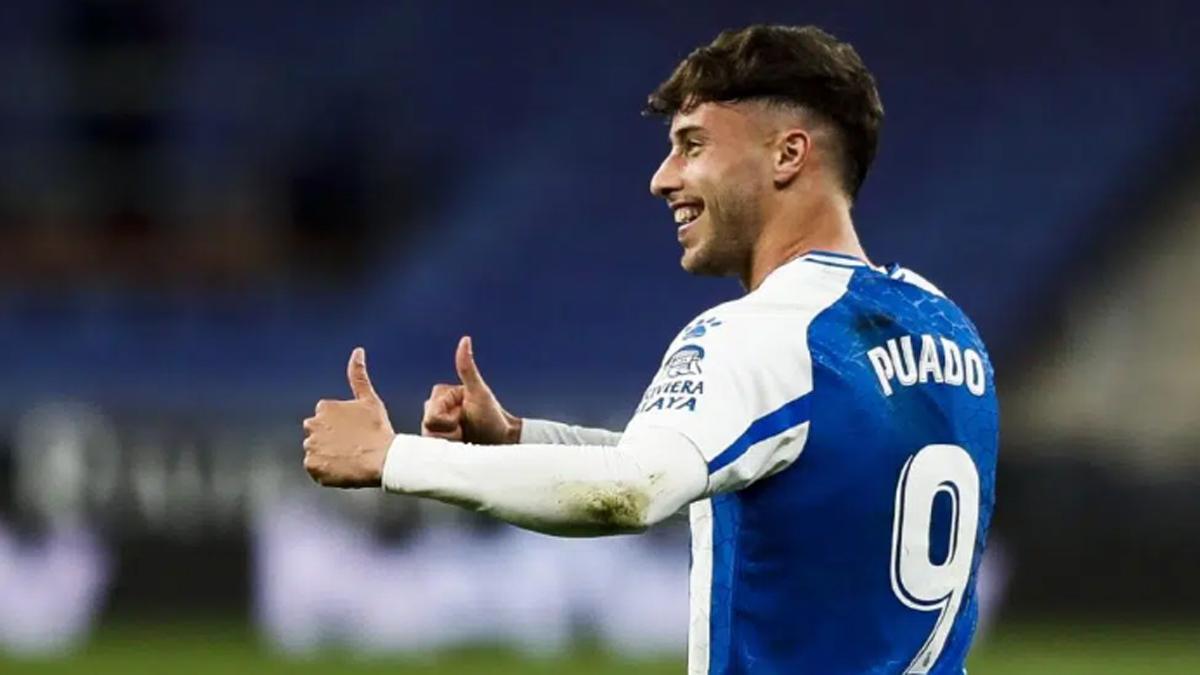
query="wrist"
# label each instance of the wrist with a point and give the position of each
(412, 462)
(513, 427)
(377, 462)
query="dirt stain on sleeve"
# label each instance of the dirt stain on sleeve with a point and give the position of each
(616, 505)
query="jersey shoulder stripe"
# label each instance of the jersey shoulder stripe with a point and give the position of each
(791, 414)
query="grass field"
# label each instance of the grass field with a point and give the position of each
(1031, 649)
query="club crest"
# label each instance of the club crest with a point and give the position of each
(684, 362)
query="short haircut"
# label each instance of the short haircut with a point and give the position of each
(803, 67)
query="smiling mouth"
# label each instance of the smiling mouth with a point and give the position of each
(686, 214)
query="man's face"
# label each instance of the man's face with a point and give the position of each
(715, 180)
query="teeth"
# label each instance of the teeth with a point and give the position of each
(686, 214)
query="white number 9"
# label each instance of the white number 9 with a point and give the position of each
(919, 582)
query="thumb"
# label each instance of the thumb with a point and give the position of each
(356, 372)
(464, 363)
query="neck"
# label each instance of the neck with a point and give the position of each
(821, 225)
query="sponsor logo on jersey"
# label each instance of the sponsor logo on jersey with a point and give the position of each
(683, 386)
(672, 395)
(936, 360)
(684, 362)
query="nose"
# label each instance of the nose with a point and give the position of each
(666, 180)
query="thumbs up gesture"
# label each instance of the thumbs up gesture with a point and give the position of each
(468, 411)
(346, 442)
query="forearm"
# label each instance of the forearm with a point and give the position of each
(577, 490)
(536, 431)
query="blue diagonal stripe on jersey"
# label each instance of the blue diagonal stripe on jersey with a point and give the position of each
(789, 415)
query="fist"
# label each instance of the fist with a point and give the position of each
(346, 442)
(468, 411)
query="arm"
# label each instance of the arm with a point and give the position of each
(470, 412)
(557, 433)
(578, 490)
(715, 418)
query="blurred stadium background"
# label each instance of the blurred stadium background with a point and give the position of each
(205, 205)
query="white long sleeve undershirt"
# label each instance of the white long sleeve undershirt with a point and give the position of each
(556, 433)
(568, 490)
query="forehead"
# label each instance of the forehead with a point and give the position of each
(714, 117)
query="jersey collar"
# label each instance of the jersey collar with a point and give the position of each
(832, 259)
(844, 260)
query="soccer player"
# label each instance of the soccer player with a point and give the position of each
(834, 430)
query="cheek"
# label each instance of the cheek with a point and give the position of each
(695, 179)
(744, 183)
(727, 187)
(751, 172)
(711, 186)
(708, 171)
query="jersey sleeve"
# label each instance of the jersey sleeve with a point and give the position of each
(557, 433)
(738, 385)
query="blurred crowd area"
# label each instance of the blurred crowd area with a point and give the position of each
(205, 205)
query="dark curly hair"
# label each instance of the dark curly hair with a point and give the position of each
(802, 66)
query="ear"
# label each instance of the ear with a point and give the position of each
(792, 149)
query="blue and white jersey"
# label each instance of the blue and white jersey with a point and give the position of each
(848, 417)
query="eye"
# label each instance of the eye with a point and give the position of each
(692, 147)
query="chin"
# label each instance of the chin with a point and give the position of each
(695, 262)
(688, 260)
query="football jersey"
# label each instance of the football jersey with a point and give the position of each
(848, 417)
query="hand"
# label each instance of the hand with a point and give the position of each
(346, 442)
(469, 411)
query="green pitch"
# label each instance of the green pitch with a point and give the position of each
(1030, 649)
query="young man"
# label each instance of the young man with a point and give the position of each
(834, 430)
